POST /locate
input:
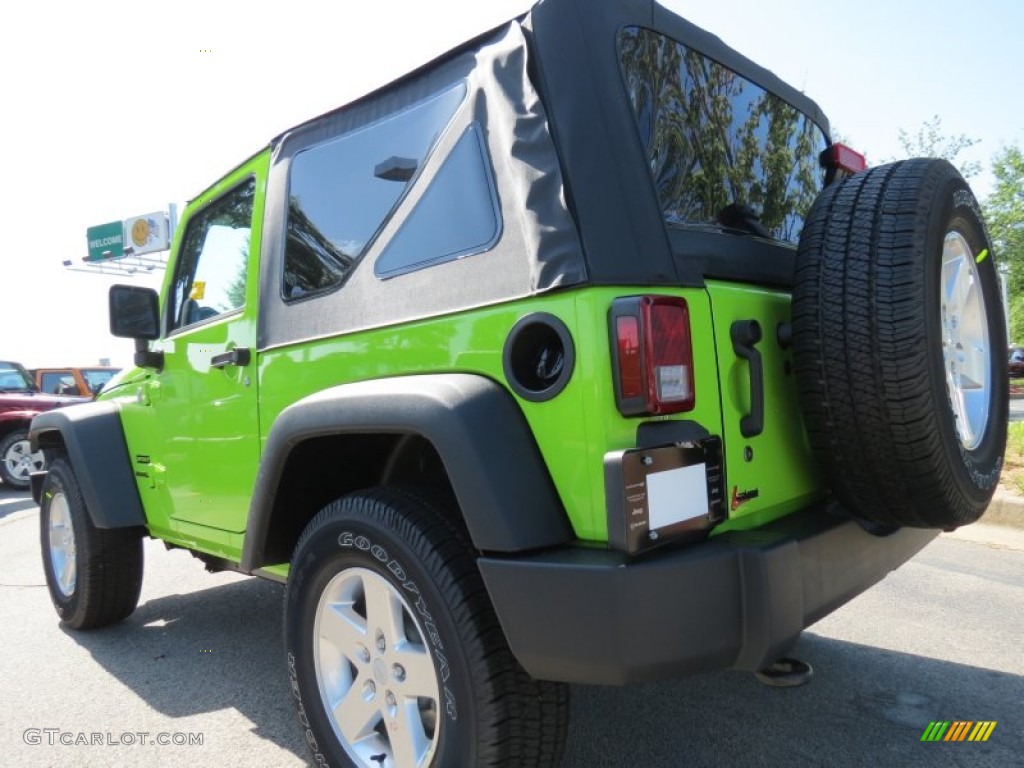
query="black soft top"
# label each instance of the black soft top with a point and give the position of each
(620, 220)
(595, 214)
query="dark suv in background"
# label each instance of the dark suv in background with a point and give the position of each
(20, 400)
(1016, 362)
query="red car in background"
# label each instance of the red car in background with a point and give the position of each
(20, 400)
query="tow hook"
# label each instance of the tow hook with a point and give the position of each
(785, 673)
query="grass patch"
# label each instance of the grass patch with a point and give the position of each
(1015, 439)
(1013, 469)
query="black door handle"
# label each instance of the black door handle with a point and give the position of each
(239, 356)
(745, 335)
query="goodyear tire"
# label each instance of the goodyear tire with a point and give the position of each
(94, 575)
(394, 652)
(900, 346)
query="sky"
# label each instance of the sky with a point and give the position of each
(113, 109)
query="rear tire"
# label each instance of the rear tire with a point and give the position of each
(900, 346)
(394, 651)
(94, 575)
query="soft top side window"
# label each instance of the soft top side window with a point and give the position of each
(457, 216)
(341, 192)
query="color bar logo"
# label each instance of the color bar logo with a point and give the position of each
(959, 730)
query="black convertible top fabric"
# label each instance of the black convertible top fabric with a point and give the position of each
(577, 199)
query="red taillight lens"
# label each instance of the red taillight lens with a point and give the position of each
(845, 159)
(627, 337)
(652, 355)
(671, 358)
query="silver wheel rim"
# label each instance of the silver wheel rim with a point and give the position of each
(62, 545)
(375, 672)
(21, 462)
(966, 351)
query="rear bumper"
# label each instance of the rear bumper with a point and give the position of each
(737, 601)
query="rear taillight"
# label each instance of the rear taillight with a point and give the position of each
(652, 358)
(841, 157)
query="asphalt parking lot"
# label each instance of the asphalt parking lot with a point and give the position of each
(940, 639)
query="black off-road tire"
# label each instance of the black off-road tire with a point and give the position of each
(107, 562)
(10, 479)
(401, 543)
(869, 340)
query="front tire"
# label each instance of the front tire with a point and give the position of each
(17, 461)
(395, 654)
(94, 575)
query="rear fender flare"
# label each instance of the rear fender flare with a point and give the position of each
(500, 480)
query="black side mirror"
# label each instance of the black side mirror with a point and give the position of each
(135, 314)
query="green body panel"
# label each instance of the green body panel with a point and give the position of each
(193, 430)
(573, 430)
(605, 428)
(776, 464)
(195, 433)
(212, 451)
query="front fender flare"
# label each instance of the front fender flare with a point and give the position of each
(500, 480)
(94, 440)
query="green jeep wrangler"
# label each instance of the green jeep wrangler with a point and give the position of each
(580, 354)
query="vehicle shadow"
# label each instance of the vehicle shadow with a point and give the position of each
(865, 706)
(220, 648)
(204, 651)
(12, 501)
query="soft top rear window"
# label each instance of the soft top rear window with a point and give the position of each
(723, 152)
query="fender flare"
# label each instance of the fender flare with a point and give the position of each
(502, 485)
(94, 440)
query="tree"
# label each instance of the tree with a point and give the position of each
(1004, 214)
(929, 141)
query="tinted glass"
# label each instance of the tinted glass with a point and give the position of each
(214, 257)
(457, 215)
(722, 150)
(97, 377)
(14, 378)
(58, 384)
(342, 191)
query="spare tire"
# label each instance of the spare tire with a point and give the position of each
(899, 345)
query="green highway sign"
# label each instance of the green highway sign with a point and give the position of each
(106, 241)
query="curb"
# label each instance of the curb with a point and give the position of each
(1005, 509)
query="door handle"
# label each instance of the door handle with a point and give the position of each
(745, 335)
(239, 356)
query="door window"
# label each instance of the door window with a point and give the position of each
(214, 257)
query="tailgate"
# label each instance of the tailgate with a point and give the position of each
(769, 467)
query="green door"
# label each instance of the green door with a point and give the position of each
(205, 398)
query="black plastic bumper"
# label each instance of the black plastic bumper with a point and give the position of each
(737, 601)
